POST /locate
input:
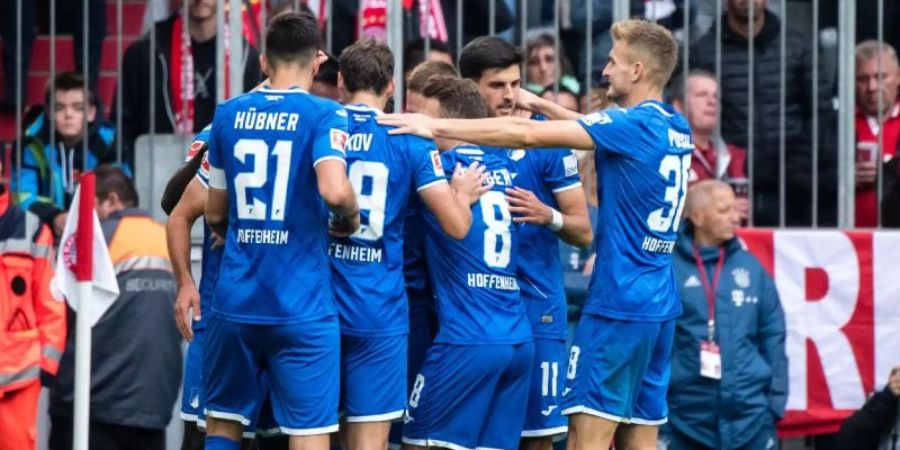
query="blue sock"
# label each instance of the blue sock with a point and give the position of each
(221, 443)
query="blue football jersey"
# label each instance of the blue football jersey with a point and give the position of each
(415, 270)
(545, 173)
(210, 257)
(643, 156)
(263, 150)
(474, 279)
(368, 267)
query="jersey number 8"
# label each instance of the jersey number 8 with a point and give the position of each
(495, 214)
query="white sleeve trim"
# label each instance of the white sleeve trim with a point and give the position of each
(202, 180)
(326, 158)
(216, 178)
(428, 185)
(574, 185)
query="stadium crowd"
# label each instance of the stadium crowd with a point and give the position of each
(135, 385)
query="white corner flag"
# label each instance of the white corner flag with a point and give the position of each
(104, 286)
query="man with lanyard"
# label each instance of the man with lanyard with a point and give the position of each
(729, 342)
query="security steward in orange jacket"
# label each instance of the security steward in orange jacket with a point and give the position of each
(32, 322)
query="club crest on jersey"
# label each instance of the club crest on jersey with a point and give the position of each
(339, 139)
(741, 277)
(436, 163)
(204, 165)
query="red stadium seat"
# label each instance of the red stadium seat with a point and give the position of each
(132, 17)
(65, 57)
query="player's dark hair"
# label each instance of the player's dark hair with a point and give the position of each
(485, 53)
(414, 52)
(459, 97)
(111, 179)
(292, 38)
(328, 71)
(420, 75)
(367, 66)
(70, 81)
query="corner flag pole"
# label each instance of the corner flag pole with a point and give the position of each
(84, 250)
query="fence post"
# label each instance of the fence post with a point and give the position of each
(846, 100)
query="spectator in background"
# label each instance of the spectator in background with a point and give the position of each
(325, 81)
(136, 348)
(10, 34)
(697, 99)
(874, 426)
(50, 172)
(418, 78)
(729, 367)
(414, 54)
(877, 83)
(542, 65)
(34, 323)
(567, 97)
(735, 79)
(184, 104)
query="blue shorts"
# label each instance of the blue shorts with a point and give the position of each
(193, 398)
(302, 365)
(470, 396)
(619, 370)
(543, 417)
(423, 327)
(373, 378)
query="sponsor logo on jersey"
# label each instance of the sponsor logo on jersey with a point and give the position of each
(570, 164)
(692, 281)
(598, 117)
(194, 149)
(549, 410)
(436, 163)
(339, 139)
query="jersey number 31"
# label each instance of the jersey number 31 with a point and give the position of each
(667, 218)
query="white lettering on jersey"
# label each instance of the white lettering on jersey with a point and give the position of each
(678, 139)
(598, 117)
(354, 252)
(500, 177)
(491, 281)
(652, 244)
(359, 142)
(254, 236)
(266, 121)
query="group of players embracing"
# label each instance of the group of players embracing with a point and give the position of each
(399, 275)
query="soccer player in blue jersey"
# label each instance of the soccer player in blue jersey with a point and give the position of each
(618, 370)
(473, 387)
(548, 203)
(275, 156)
(368, 266)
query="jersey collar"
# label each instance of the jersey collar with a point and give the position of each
(359, 107)
(292, 90)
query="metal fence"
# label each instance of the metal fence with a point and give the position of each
(827, 155)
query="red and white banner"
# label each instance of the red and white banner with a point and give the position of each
(841, 296)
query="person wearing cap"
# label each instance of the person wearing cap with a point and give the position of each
(729, 382)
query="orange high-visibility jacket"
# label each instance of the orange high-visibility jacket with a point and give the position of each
(32, 322)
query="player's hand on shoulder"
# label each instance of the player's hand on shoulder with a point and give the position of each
(527, 207)
(418, 124)
(528, 103)
(343, 226)
(471, 182)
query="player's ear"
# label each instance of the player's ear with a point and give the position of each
(638, 71)
(264, 64)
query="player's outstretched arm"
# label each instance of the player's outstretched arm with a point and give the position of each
(179, 181)
(451, 204)
(510, 132)
(535, 104)
(337, 192)
(189, 208)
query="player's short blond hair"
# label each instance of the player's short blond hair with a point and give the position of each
(650, 44)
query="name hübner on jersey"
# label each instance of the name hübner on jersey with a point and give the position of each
(268, 121)
(354, 252)
(652, 244)
(489, 280)
(253, 236)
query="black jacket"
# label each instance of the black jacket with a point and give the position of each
(136, 86)
(872, 427)
(766, 94)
